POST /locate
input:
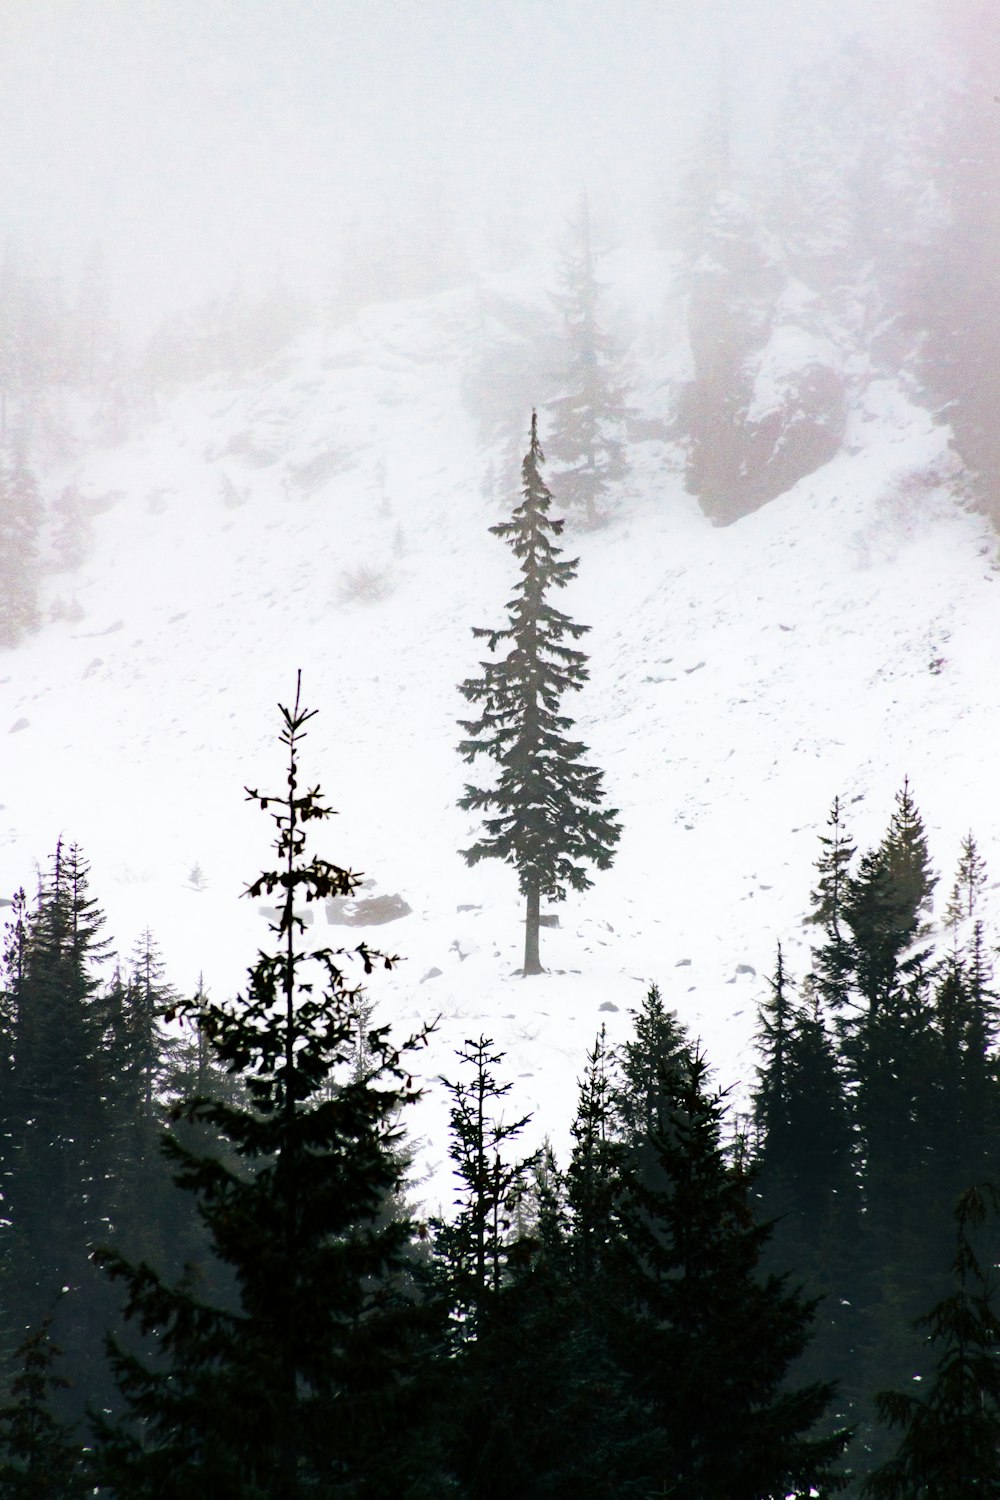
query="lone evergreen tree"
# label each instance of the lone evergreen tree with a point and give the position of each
(296, 1383)
(549, 821)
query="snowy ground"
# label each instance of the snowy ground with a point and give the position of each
(839, 639)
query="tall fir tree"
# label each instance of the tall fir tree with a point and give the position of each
(298, 1383)
(548, 822)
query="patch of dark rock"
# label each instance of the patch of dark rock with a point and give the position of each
(315, 473)
(243, 446)
(549, 920)
(745, 969)
(370, 911)
(608, 1005)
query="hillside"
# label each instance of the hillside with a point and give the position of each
(327, 513)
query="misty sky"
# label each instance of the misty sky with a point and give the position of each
(193, 138)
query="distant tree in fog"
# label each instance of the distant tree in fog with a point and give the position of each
(20, 523)
(549, 822)
(587, 441)
(955, 284)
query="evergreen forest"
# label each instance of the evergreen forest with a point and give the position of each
(215, 1280)
(602, 403)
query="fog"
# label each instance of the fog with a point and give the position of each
(195, 143)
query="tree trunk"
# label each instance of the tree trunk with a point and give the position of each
(532, 963)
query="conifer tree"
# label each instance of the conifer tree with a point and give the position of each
(548, 819)
(59, 1164)
(970, 879)
(657, 1048)
(950, 1443)
(884, 902)
(475, 1245)
(967, 1115)
(804, 1129)
(904, 850)
(588, 418)
(39, 1458)
(297, 1383)
(806, 1180)
(533, 1404)
(832, 961)
(706, 1338)
(593, 1179)
(20, 524)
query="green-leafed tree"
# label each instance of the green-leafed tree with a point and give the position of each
(545, 813)
(300, 1381)
(949, 1447)
(706, 1338)
(587, 416)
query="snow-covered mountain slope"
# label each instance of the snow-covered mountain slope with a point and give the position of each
(327, 514)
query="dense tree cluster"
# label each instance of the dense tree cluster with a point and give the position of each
(878, 1098)
(680, 1308)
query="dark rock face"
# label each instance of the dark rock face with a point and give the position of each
(744, 453)
(368, 911)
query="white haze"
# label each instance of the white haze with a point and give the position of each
(197, 143)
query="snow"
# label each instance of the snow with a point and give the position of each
(838, 639)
